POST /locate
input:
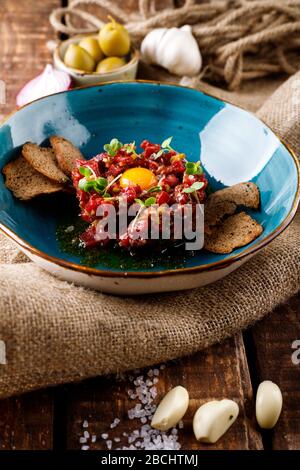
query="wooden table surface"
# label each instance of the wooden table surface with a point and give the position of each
(52, 419)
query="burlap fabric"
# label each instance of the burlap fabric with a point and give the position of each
(56, 332)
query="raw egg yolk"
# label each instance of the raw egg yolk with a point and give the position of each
(142, 176)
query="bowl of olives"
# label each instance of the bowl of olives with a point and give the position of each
(97, 58)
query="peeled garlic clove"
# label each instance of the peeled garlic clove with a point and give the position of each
(171, 409)
(268, 404)
(178, 52)
(150, 44)
(213, 419)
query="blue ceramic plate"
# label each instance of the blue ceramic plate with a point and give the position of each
(233, 146)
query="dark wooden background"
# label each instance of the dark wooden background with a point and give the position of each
(53, 418)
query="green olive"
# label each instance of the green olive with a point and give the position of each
(109, 64)
(114, 39)
(79, 58)
(91, 45)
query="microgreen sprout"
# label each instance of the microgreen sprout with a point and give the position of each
(192, 168)
(143, 205)
(193, 189)
(90, 182)
(147, 203)
(130, 148)
(85, 171)
(113, 181)
(166, 144)
(165, 148)
(154, 189)
(113, 147)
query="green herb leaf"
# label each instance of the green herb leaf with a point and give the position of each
(158, 154)
(139, 201)
(189, 168)
(113, 147)
(166, 143)
(188, 190)
(150, 201)
(85, 171)
(154, 189)
(192, 168)
(198, 185)
(85, 185)
(130, 148)
(195, 187)
(82, 183)
(100, 184)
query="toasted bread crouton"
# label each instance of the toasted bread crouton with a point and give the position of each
(226, 201)
(25, 182)
(43, 160)
(236, 231)
(66, 153)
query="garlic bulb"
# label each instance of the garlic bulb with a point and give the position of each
(150, 44)
(175, 49)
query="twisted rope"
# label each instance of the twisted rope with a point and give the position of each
(239, 39)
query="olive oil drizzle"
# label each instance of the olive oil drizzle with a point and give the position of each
(114, 257)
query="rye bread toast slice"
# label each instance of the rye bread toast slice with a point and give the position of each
(236, 231)
(44, 161)
(66, 153)
(225, 202)
(25, 182)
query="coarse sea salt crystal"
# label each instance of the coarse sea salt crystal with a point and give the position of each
(82, 440)
(85, 447)
(94, 438)
(85, 424)
(147, 438)
(86, 434)
(115, 423)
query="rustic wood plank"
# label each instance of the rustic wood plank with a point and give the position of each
(25, 422)
(218, 372)
(273, 338)
(24, 31)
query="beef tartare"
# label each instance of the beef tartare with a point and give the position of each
(158, 176)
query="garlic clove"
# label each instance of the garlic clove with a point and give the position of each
(178, 52)
(213, 419)
(150, 44)
(268, 404)
(171, 409)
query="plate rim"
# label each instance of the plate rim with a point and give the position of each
(167, 272)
